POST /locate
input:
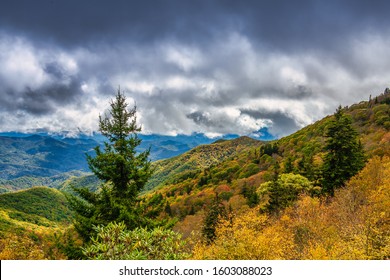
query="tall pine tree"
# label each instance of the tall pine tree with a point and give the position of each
(123, 171)
(345, 154)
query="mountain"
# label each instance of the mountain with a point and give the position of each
(34, 224)
(165, 171)
(204, 156)
(186, 184)
(41, 156)
(25, 182)
(26, 155)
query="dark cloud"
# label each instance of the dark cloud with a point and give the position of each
(75, 22)
(202, 118)
(54, 69)
(282, 124)
(40, 101)
(277, 24)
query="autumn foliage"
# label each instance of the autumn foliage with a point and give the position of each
(355, 224)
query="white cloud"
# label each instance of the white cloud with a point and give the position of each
(20, 64)
(293, 75)
(185, 57)
(181, 89)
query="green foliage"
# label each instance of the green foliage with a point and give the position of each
(285, 190)
(288, 165)
(89, 181)
(269, 149)
(115, 242)
(36, 203)
(249, 192)
(249, 170)
(345, 155)
(123, 171)
(214, 215)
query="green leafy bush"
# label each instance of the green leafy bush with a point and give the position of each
(115, 242)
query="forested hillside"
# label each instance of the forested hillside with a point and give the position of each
(353, 225)
(243, 199)
(236, 178)
(184, 166)
(40, 156)
(32, 222)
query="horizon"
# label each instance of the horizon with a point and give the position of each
(263, 135)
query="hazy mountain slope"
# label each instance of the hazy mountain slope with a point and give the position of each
(40, 156)
(26, 182)
(89, 181)
(36, 157)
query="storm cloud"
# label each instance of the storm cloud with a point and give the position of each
(214, 67)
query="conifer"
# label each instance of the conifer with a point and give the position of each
(123, 171)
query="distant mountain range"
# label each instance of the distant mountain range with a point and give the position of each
(38, 155)
(43, 158)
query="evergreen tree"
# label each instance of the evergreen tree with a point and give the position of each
(345, 155)
(214, 214)
(306, 167)
(124, 173)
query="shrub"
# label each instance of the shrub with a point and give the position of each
(115, 242)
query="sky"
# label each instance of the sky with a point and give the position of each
(214, 67)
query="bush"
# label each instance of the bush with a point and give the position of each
(115, 242)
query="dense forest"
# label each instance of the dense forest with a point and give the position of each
(320, 193)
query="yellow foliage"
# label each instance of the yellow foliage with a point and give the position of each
(20, 248)
(355, 224)
(37, 245)
(242, 238)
